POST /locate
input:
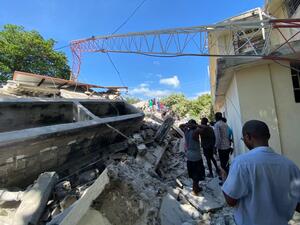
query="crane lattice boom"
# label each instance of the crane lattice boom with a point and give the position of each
(249, 39)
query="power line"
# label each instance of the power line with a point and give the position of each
(129, 17)
(116, 69)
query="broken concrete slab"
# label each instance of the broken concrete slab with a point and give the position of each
(123, 189)
(138, 139)
(164, 129)
(74, 213)
(93, 217)
(214, 188)
(152, 157)
(40, 135)
(142, 149)
(191, 211)
(204, 202)
(11, 195)
(35, 200)
(171, 212)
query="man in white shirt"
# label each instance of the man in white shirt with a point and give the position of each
(263, 186)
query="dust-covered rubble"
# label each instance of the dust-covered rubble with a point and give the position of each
(147, 182)
(143, 180)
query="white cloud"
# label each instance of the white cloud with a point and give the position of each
(159, 75)
(199, 94)
(172, 81)
(203, 93)
(157, 63)
(144, 85)
(148, 92)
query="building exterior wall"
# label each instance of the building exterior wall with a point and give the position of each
(288, 111)
(257, 99)
(265, 92)
(261, 90)
(232, 112)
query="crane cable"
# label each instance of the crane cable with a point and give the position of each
(116, 69)
(129, 17)
(116, 30)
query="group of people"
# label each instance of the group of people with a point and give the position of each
(261, 185)
(217, 137)
(155, 105)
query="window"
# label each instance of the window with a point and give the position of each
(295, 71)
(291, 6)
(248, 42)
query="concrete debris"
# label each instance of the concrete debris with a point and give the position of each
(173, 213)
(28, 84)
(142, 149)
(164, 129)
(8, 196)
(138, 138)
(88, 176)
(142, 180)
(204, 203)
(35, 199)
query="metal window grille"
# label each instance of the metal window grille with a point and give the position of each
(291, 6)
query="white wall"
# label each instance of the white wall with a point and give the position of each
(233, 115)
(265, 92)
(288, 111)
(256, 97)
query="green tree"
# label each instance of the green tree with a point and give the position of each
(201, 107)
(197, 108)
(132, 100)
(178, 103)
(28, 51)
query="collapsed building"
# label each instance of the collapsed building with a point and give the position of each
(93, 159)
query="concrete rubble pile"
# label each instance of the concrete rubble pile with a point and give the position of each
(145, 182)
(17, 89)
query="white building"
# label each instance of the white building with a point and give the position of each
(245, 89)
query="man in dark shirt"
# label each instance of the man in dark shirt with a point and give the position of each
(208, 141)
(195, 165)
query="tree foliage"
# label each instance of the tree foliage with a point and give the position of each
(201, 107)
(178, 103)
(195, 108)
(132, 100)
(28, 51)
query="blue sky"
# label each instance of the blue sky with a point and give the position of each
(66, 20)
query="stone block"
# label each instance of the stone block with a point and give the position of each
(138, 138)
(142, 149)
(205, 202)
(149, 133)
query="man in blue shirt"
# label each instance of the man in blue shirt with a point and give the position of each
(263, 186)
